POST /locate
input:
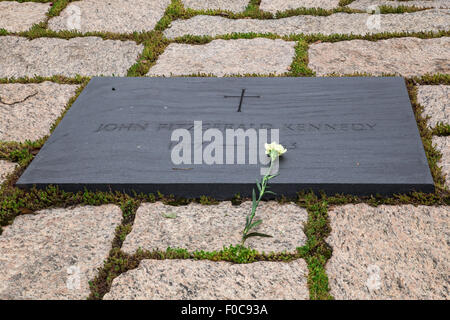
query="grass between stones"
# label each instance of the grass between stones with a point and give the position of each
(441, 129)
(343, 3)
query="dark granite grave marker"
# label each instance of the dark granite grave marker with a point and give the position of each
(343, 135)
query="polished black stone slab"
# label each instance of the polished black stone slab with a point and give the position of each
(354, 135)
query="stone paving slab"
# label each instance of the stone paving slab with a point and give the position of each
(436, 103)
(402, 56)
(53, 254)
(226, 57)
(229, 5)
(85, 56)
(282, 5)
(118, 16)
(27, 111)
(365, 4)
(18, 17)
(389, 252)
(443, 145)
(338, 23)
(6, 168)
(207, 280)
(209, 228)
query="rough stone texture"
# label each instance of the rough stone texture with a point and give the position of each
(365, 4)
(18, 17)
(118, 16)
(208, 280)
(27, 111)
(399, 252)
(403, 56)
(6, 168)
(199, 227)
(443, 145)
(282, 5)
(40, 254)
(229, 5)
(436, 103)
(226, 57)
(338, 23)
(87, 56)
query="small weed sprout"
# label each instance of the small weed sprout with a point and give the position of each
(274, 150)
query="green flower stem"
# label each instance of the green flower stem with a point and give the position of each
(262, 190)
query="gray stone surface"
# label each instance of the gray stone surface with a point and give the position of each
(6, 168)
(365, 4)
(118, 16)
(86, 56)
(436, 103)
(403, 56)
(338, 23)
(18, 17)
(27, 111)
(353, 135)
(389, 252)
(199, 227)
(229, 5)
(54, 253)
(206, 280)
(443, 145)
(282, 5)
(226, 57)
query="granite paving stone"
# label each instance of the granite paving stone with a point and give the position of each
(54, 253)
(389, 252)
(208, 280)
(403, 56)
(199, 227)
(366, 4)
(85, 56)
(6, 168)
(118, 16)
(18, 17)
(226, 57)
(229, 5)
(27, 111)
(338, 23)
(282, 5)
(443, 145)
(436, 103)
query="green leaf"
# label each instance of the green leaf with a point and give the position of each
(253, 201)
(170, 215)
(270, 192)
(256, 234)
(254, 224)
(258, 185)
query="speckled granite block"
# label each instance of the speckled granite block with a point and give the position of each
(27, 111)
(53, 254)
(226, 57)
(198, 280)
(389, 252)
